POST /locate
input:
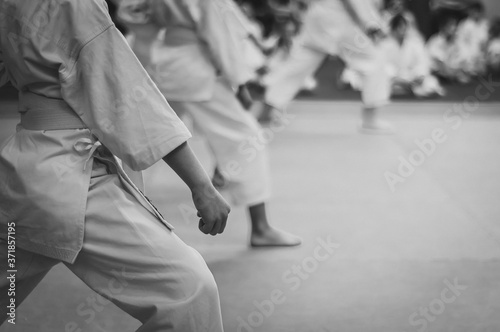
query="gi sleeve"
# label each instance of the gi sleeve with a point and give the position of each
(220, 28)
(112, 93)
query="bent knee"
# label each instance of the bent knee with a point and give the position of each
(202, 280)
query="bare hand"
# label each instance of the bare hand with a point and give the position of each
(244, 97)
(213, 210)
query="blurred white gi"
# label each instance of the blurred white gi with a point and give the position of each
(408, 62)
(409, 66)
(493, 54)
(473, 34)
(447, 55)
(83, 97)
(197, 64)
(334, 27)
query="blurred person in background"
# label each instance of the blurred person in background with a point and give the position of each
(473, 33)
(351, 78)
(252, 36)
(199, 67)
(448, 61)
(408, 61)
(277, 23)
(288, 17)
(392, 8)
(493, 49)
(344, 28)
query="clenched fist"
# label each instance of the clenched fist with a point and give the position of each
(212, 208)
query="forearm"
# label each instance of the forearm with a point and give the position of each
(185, 164)
(212, 208)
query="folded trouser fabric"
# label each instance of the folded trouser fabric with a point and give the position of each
(133, 259)
(329, 31)
(285, 80)
(45, 170)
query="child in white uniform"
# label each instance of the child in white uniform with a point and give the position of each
(408, 61)
(493, 48)
(445, 51)
(472, 33)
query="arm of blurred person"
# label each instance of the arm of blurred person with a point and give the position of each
(221, 30)
(224, 34)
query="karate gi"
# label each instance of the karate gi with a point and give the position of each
(473, 36)
(84, 99)
(447, 58)
(387, 17)
(493, 54)
(409, 62)
(252, 34)
(329, 29)
(197, 65)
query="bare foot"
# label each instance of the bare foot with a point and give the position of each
(376, 127)
(274, 238)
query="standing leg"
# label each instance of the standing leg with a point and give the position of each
(362, 56)
(263, 234)
(239, 147)
(286, 79)
(135, 261)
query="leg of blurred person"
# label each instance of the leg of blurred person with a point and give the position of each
(239, 147)
(287, 78)
(285, 81)
(360, 54)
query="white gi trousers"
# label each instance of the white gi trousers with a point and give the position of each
(237, 143)
(285, 80)
(131, 258)
(343, 39)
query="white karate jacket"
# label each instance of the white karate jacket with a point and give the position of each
(70, 50)
(203, 39)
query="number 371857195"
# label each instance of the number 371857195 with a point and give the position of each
(11, 245)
